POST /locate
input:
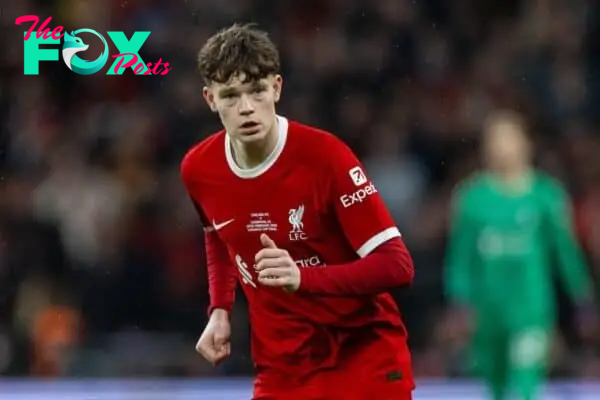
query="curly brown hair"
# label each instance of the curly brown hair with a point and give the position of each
(239, 49)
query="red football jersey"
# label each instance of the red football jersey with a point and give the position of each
(312, 197)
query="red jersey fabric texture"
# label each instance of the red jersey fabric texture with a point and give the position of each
(313, 198)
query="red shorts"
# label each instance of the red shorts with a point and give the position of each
(379, 368)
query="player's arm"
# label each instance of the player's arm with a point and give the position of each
(222, 274)
(384, 261)
(571, 261)
(460, 251)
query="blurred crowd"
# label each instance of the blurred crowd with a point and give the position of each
(101, 267)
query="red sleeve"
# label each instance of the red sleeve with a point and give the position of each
(388, 266)
(359, 208)
(222, 275)
(368, 226)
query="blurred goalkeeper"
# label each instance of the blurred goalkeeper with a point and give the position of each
(510, 223)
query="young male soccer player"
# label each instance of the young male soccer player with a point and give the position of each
(289, 212)
(508, 223)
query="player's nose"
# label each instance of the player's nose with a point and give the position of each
(246, 107)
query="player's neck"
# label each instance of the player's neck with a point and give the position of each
(516, 178)
(251, 155)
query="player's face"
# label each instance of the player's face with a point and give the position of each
(246, 109)
(506, 146)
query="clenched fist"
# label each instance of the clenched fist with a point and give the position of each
(214, 343)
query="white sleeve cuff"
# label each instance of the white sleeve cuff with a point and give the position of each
(377, 240)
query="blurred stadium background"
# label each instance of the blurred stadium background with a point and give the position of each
(100, 265)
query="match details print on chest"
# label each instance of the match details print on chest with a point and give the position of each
(288, 218)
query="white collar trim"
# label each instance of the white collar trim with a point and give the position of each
(282, 132)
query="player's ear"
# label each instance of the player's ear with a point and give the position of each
(209, 96)
(277, 86)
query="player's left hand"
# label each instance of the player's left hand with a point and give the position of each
(275, 267)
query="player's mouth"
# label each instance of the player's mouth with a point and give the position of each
(250, 127)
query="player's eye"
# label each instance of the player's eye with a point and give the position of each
(257, 90)
(228, 94)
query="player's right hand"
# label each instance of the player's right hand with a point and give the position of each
(214, 343)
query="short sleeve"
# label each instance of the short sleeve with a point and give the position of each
(359, 208)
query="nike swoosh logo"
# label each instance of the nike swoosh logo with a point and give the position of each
(222, 224)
